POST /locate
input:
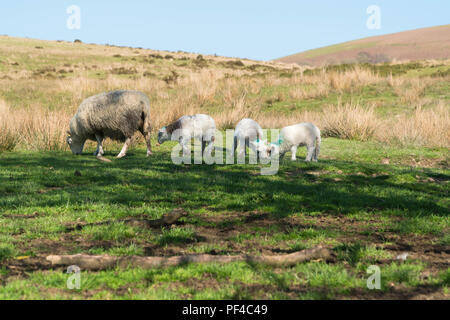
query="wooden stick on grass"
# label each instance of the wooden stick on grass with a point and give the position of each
(101, 262)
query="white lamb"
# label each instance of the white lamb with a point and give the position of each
(246, 132)
(200, 127)
(302, 134)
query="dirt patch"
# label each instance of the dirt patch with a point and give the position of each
(243, 233)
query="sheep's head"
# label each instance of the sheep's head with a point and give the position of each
(75, 144)
(273, 149)
(260, 146)
(266, 150)
(163, 135)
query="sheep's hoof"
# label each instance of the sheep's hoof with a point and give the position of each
(121, 156)
(149, 154)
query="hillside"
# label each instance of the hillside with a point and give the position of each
(420, 44)
(378, 190)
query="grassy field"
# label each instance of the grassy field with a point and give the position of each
(380, 188)
(366, 211)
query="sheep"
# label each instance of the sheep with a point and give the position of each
(200, 127)
(116, 115)
(290, 138)
(247, 131)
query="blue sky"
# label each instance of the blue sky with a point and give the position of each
(261, 30)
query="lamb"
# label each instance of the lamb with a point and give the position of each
(116, 115)
(246, 132)
(200, 127)
(290, 138)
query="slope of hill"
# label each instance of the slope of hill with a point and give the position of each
(426, 43)
(378, 188)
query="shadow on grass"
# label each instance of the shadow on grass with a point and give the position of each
(49, 180)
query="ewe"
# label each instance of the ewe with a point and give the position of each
(116, 115)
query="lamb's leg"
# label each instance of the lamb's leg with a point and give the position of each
(185, 144)
(294, 153)
(123, 153)
(233, 149)
(311, 150)
(209, 148)
(203, 146)
(99, 151)
(246, 145)
(316, 150)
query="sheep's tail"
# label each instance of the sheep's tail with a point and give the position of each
(317, 148)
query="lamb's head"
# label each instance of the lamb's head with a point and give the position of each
(266, 150)
(273, 150)
(75, 144)
(163, 135)
(260, 146)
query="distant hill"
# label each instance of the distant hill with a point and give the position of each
(420, 44)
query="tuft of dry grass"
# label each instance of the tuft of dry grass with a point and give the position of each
(349, 121)
(425, 127)
(411, 91)
(8, 135)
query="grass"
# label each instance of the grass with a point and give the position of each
(380, 188)
(361, 208)
(397, 104)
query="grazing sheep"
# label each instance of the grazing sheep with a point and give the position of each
(116, 115)
(302, 134)
(247, 131)
(200, 127)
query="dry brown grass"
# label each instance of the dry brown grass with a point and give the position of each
(8, 134)
(411, 91)
(425, 127)
(349, 121)
(36, 126)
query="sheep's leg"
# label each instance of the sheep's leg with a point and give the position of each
(311, 150)
(99, 151)
(123, 153)
(185, 144)
(235, 142)
(203, 146)
(316, 150)
(147, 137)
(294, 153)
(242, 147)
(209, 148)
(246, 145)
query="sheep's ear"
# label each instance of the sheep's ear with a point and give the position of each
(68, 132)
